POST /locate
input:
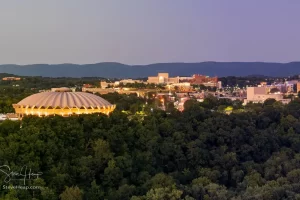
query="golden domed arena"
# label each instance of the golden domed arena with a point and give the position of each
(62, 102)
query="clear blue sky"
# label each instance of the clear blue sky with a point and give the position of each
(148, 31)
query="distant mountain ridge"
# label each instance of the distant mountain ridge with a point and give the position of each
(118, 70)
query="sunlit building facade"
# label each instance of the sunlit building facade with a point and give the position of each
(163, 78)
(260, 94)
(198, 79)
(11, 78)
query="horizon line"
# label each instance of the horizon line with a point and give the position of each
(155, 63)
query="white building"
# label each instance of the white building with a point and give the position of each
(125, 81)
(163, 78)
(260, 94)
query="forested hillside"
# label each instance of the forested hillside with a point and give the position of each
(118, 70)
(198, 154)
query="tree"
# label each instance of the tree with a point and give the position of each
(274, 90)
(190, 104)
(102, 153)
(269, 102)
(254, 180)
(161, 181)
(210, 102)
(166, 193)
(71, 193)
(95, 192)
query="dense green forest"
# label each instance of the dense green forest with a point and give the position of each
(40, 83)
(201, 153)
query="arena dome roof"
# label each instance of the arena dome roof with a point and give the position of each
(64, 100)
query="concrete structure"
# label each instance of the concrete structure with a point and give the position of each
(298, 87)
(219, 84)
(196, 79)
(87, 85)
(3, 117)
(9, 116)
(104, 84)
(184, 87)
(210, 84)
(62, 89)
(263, 83)
(62, 102)
(11, 78)
(12, 116)
(125, 81)
(260, 94)
(291, 86)
(286, 87)
(185, 78)
(163, 78)
(99, 90)
(179, 105)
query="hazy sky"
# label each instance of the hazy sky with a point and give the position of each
(148, 31)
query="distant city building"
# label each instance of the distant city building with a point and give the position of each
(198, 79)
(99, 90)
(179, 105)
(185, 78)
(260, 94)
(285, 87)
(298, 87)
(292, 82)
(125, 81)
(163, 78)
(62, 89)
(104, 84)
(291, 86)
(87, 85)
(11, 78)
(219, 84)
(3, 117)
(263, 83)
(12, 116)
(181, 86)
(9, 116)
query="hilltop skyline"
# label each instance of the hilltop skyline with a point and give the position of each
(118, 70)
(145, 32)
